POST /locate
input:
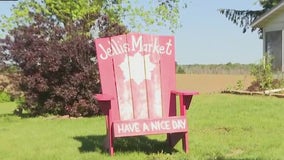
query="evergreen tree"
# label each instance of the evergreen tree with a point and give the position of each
(244, 18)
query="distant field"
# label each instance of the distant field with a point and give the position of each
(211, 83)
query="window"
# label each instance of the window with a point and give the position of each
(273, 46)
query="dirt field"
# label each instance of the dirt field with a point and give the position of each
(210, 83)
(204, 83)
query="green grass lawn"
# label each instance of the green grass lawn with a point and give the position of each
(228, 127)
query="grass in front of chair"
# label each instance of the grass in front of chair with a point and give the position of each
(221, 127)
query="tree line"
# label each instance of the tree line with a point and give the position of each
(229, 68)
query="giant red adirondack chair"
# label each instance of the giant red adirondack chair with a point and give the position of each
(137, 73)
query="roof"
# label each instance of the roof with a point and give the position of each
(264, 18)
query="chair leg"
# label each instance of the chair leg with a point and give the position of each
(108, 144)
(185, 142)
(175, 137)
(111, 147)
(169, 140)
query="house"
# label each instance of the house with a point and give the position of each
(272, 24)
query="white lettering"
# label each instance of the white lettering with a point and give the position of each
(169, 43)
(106, 52)
(156, 46)
(145, 127)
(147, 47)
(120, 128)
(136, 44)
(117, 47)
(160, 125)
(126, 47)
(179, 124)
(162, 50)
(128, 128)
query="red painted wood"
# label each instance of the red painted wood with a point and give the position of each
(185, 145)
(168, 74)
(136, 60)
(152, 67)
(185, 97)
(121, 73)
(105, 106)
(137, 73)
(104, 97)
(173, 138)
(105, 65)
(184, 93)
(150, 126)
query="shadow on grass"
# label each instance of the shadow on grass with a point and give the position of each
(90, 143)
(23, 116)
(6, 115)
(222, 158)
(129, 144)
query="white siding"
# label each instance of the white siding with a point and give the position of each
(275, 23)
(282, 52)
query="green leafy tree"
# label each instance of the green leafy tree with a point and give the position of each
(49, 41)
(140, 15)
(244, 18)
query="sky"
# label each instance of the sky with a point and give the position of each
(206, 36)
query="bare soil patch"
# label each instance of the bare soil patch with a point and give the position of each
(211, 83)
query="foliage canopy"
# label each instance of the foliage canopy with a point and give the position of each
(244, 18)
(50, 42)
(58, 74)
(138, 15)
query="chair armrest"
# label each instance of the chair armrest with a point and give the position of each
(185, 98)
(103, 97)
(104, 102)
(184, 93)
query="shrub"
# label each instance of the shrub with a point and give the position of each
(240, 85)
(180, 70)
(9, 86)
(57, 71)
(263, 72)
(264, 76)
(4, 97)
